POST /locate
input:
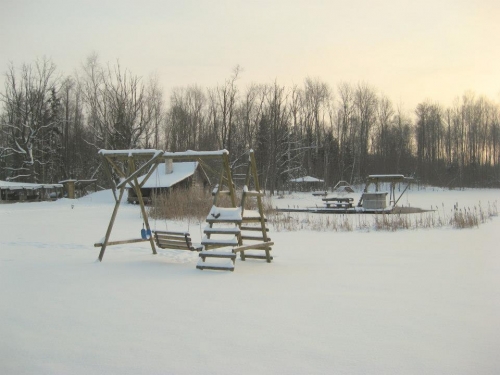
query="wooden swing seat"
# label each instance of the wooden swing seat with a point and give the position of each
(175, 240)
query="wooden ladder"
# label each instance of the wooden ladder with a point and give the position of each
(254, 222)
(222, 232)
(229, 227)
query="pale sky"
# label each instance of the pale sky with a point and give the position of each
(408, 50)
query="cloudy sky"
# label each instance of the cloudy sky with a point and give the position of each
(409, 51)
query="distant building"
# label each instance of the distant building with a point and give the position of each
(11, 192)
(78, 188)
(168, 176)
(306, 183)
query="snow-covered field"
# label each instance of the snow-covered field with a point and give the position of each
(360, 302)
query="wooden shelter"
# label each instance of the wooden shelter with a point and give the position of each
(377, 180)
(11, 191)
(306, 183)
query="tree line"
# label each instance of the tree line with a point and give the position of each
(52, 126)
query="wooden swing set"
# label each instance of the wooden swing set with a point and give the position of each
(233, 221)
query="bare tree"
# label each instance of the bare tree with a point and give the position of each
(120, 108)
(155, 105)
(186, 119)
(250, 113)
(274, 139)
(222, 104)
(345, 130)
(31, 123)
(365, 102)
(316, 101)
(429, 133)
(381, 144)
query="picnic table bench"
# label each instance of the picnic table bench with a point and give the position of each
(320, 193)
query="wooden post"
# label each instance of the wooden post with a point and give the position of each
(138, 192)
(111, 222)
(70, 187)
(259, 203)
(219, 188)
(397, 200)
(232, 193)
(107, 171)
(132, 175)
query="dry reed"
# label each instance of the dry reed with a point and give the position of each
(195, 204)
(457, 218)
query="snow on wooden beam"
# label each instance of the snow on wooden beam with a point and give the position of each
(388, 178)
(135, 153)
(195, 154)
(12, 185)
(138, 153)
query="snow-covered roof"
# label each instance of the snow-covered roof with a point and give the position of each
(306, 179)
(181, 171)
(11, 185)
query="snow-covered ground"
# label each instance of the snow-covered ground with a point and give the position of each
(359, 302)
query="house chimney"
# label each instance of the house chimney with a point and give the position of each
(169, 166)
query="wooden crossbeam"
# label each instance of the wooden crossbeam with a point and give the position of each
(133, 175)
(262, 246)
(121, 242)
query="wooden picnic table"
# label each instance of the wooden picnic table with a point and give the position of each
(338, 202)
(338, 199)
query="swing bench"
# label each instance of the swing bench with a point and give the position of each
(175, 240)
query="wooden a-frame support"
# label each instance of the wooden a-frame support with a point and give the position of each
(129, 175)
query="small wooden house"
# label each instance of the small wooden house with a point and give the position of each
(168, 176)
(11, 192)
